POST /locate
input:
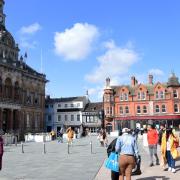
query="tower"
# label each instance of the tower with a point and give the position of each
(2, 15)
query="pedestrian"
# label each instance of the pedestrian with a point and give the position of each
(60, 134)
(152, 138)
(161, 131)
(1, 151)
(169, 151)
(104, 137)
(126, 146)
(100, 138)
(70, 135)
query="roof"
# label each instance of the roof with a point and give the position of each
(67, 99)
(97, 106)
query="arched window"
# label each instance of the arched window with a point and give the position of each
(176, 108)
(121, 110)
(8, 88)
(163, 108)
(16, 91)
(175, 93)
(127, 110)
(144, 109)
(157, 109)
(138, 109)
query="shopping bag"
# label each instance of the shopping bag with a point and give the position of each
(112, 162)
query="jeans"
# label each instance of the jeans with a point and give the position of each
(170, 160)
(153, 151)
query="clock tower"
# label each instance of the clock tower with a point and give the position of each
(2, 15)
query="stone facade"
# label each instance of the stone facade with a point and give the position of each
(137, 105)
(22, 89)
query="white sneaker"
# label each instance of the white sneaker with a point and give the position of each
(169, 169)
(173, 170)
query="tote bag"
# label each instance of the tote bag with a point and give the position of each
(112, 162)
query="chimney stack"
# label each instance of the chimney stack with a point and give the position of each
(133, 81)
(150, 79)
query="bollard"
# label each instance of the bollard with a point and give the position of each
(22, 147)
(16, 141)
(44, 148)
(68, 148)
(91, 147)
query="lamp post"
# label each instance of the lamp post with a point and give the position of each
(101, 117)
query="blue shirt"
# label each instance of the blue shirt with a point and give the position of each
(126, 144)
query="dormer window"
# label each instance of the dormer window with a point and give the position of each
(139, 95)
(157, 95)
(121, 97)
(143, 96)
(162, 94)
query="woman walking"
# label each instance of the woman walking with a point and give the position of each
(126, 146)
(169, 145)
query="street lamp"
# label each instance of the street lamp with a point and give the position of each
(101, 117)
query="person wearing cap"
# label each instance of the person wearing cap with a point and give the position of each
(127, 148)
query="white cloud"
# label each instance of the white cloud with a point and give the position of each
(156, 72)
(31, 29)
(75, 43)
(114, 63)
(96, 93)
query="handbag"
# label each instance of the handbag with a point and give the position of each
(112, 162)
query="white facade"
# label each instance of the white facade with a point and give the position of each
(64, 112)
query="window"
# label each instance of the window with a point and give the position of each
(72, 105)
(78, 117)
(175, 94)
(144, 109)
(176, 108)
(161, 94)
(59, 105)
(163, 108)
(51, 105)
(66, 105)
(138, 109)
(157, 109)
(87, 120)
(157, 95)
(121, 97)
(59, 117)
(72, 117)
(65, 117)
(125, 96)
(139, 95)
(46, 106)
(78, 104)
(49, 117)
(143, 96)
(111, 110)
(121, 110)
(127, 110)
(107, 110)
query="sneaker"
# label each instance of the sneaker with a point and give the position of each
(157, 163)
(169, 169)
(151, 165)
(173, 170)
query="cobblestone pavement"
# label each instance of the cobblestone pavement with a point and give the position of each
(56, 164)
(148, 173)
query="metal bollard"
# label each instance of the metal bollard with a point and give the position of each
(22, 147)
(16, 141)
(44, 148)
(91, 147)
(68, 148)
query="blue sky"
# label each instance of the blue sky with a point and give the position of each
(85, 41)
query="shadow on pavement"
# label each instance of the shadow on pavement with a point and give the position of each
(154, 178)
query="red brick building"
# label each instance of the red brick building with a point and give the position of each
(137, 104)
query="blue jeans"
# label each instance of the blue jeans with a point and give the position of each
(170, 160)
